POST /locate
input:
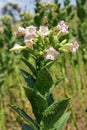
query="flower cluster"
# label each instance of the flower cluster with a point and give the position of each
(6, 19)
(50, 50)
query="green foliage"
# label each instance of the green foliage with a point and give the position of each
(48, 113)
(7, 31)
(26, 117)
(52, 115)
(30, 66)
(28, 78)
(51, 13)
(55, 83)
(48, 14)
(1, 77)
(44, 81)
(62, 120)
(66, 2)
(81, 12)
(38, 102)
(26, 19)
(26, 127)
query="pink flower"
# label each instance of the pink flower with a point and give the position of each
(43, 31)
(75, 46)
(30, 32)
(29, 43)
(63, 27)
(20, 31)
(51, 53)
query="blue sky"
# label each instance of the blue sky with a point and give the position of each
(29, 4)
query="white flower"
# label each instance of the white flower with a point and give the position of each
(43, 31)
(30, 32)
(17, 48)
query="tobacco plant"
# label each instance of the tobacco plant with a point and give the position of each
(44, 47)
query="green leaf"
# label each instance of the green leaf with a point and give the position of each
(49, 64)
(30, 66)
(50, 99)
(62, 121)
(59, 124)
(28, 78)
(26, 127)
(38, 102)
(55, 83)
(53, 113)
(44, 81)
(32, 123)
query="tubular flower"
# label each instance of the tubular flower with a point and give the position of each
(70, 47)
(29, 43)
(66, 47)
(17, 48)
(63, 27)
(20, 32)
(43, 31)
(51, 53)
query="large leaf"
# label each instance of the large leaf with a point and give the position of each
(28, 78)
(59, 124)
(32, 123)
(62, 120)
(49, 64)
(44, 81)
(30, 66)
(53, 113)
(38, 102)
(26, 127)
(50, 99)
(55, 83)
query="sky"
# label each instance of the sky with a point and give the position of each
(28, 4)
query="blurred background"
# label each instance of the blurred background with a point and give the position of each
(73, 67)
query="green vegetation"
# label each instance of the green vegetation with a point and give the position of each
(73, 67)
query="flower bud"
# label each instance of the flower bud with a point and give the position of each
(70, 47)
(20, 32)
(29, 43)
(66, 47)
(17, 48)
